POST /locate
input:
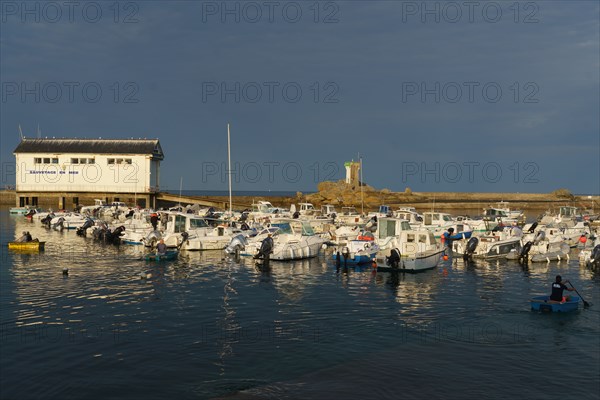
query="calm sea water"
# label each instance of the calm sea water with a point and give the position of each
(204, 327)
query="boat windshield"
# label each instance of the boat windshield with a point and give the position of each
(405, 225)
(307, 230)
(349, 210)
(447, 217)
(197, 223)
(284, 227)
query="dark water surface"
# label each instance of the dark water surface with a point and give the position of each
(203, 327)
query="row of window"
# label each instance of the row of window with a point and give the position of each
(39, 160)
(119, 161)
(54, 160)
(83, 161)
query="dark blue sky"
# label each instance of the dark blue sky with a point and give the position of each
(437, 96)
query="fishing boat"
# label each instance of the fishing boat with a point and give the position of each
(356, 252)
(406, 249)
(34, 245)
(166, 256)
(543, 303)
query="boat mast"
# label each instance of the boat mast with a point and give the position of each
(360, 183)
(229, 171)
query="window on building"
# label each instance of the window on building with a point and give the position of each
(74, 160)
(128, 161)
(119, 161)
(83, 161)
(111, 161)
(46, 161)
(37, 160)
(91, 161)
(55, 160)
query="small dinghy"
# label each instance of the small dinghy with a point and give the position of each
(33, 245)
(169, 255)
(543, 303)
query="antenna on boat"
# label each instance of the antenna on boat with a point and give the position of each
(229, 170)
(180, 186)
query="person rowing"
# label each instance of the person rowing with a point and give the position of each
(557, 289)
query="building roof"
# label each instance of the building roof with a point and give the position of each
(93, 146)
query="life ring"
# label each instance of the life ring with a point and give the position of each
(367, 245)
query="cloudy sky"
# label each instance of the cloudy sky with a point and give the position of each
(436, 96)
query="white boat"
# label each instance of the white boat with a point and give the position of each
(69, 220)
(292, 240)
(382, 212)
(489, 245)
(349, 216)
(98, 204)
(415, 249)
(191, 232)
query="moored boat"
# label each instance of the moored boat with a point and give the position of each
(356, 252)
(34, 245)
(543, 303)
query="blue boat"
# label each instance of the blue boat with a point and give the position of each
(169, 255)
(543, 303)
(356, 252)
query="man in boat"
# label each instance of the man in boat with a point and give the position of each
(25, 238)
(161, 248)
(557, 289)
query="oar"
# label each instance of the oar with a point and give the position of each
(585, 303)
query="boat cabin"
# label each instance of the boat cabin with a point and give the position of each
(390, 227)
(327, 209)
(349, 211)
(436, 219)
(180, 222)
(568, 212)
(494, 213)
(306, 208)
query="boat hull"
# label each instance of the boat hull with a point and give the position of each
(543, 303)
(169, 255)
(417, 263)
(27, 246)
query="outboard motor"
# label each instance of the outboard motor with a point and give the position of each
(524, 254)
(184, 238)
(470, 247)
(244, 226)
(152, 239)
(541, 235)
(595, 257)
(266, 248)
(394, 259)
(81, 231)
(238, 243)
(59, 225)
(47, 219)
(115, 237)
(296, 215)
(532, 227)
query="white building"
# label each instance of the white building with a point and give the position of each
(76, 171)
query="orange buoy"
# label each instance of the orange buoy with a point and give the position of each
(445, 257)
